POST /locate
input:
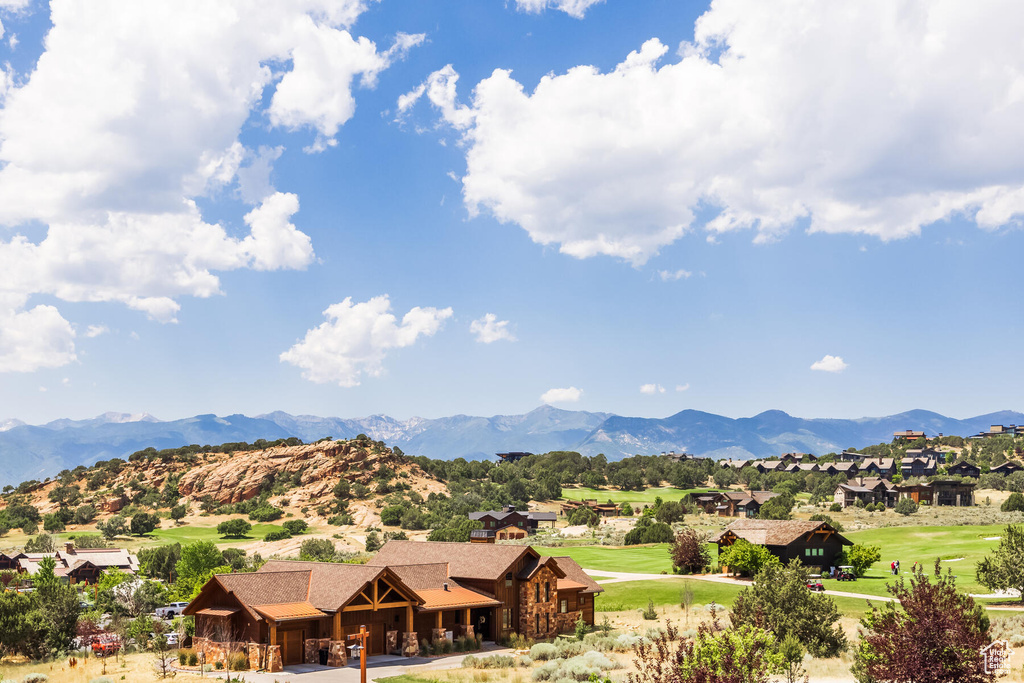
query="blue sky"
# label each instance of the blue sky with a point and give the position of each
(705, 219)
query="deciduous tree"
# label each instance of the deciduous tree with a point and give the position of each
(1003, 568)
(689, 551)
(933, 635)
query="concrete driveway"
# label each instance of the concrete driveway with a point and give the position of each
(376, 669)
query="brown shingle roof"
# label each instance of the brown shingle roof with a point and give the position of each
(420, 577)
(331, 584)
(266, 588)
(534, 564)
(772, 531)
(574, 572)
(486, 561)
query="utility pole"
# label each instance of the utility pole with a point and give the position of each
(361, 637)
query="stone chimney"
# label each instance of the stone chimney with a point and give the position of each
(69, 547)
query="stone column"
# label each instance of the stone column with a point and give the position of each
(410, 644)
(274, 659)
(437, 634)
(392, 641)
(256, 654)
(311, 651)
(337, 655)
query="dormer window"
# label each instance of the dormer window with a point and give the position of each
(508, 580)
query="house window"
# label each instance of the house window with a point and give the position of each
(565, 606)
(547, 622)
(506, 619)
(536, 623)
(508, 580)
(547, 592)
(582, 600)
(536, 592)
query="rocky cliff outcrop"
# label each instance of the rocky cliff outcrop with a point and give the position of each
(320, 465)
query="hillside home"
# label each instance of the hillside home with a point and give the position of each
(964, 469)
(937, 456)
(879, 467)
(790, 458)
(1008, 467)
(848, 469)
(509, 523)
(734, 464)
(293, 612)
(803, 467)
(815, 544)
(909, 435)
(79, 565)
(733, 503)
(867, 491)
(514, 456)
(603, 509)
(763, 466)
(850, 456)
(951, 492)
(917, 467)
(1000, 430)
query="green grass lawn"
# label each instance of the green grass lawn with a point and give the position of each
(923, 544)
(631, 595)
(646, 559)
(645, 497)
(190, 533)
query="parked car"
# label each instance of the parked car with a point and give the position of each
(105, 644)
(171, 636)
(814, 583)
(171, 610)
(846, 574)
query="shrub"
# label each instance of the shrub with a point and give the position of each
(35, 678)
(218, 665)
(296, 526)
(543, 652)
(344, 519)
(861, 557)
(193, 658)
(835, 507)
(689, 551)
(277, 535)
(101, 679)
(649, 612)
(238, 661)
(906, 506)
(1015, 503)
(265, 512)
(581, 627)
(182, 657)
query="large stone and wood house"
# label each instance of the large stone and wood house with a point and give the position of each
(76, 565)
(816, 544)
(509, 523)
(867, 490)
(964, 469)
(951, 492)
(608, 509)
(292, 612)
(732, 503)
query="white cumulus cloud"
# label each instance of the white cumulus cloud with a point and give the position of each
(563, 395)
(652, 389)
(489, 329)
(682, 387)
(871, 117)
(830, 364)
(574, 8)
(94, 331)
(133, 113)
(673, 275)
(356, 337)
(34, 339)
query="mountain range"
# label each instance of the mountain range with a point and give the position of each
(39, 451)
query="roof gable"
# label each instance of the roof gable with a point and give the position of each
(485, 561)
